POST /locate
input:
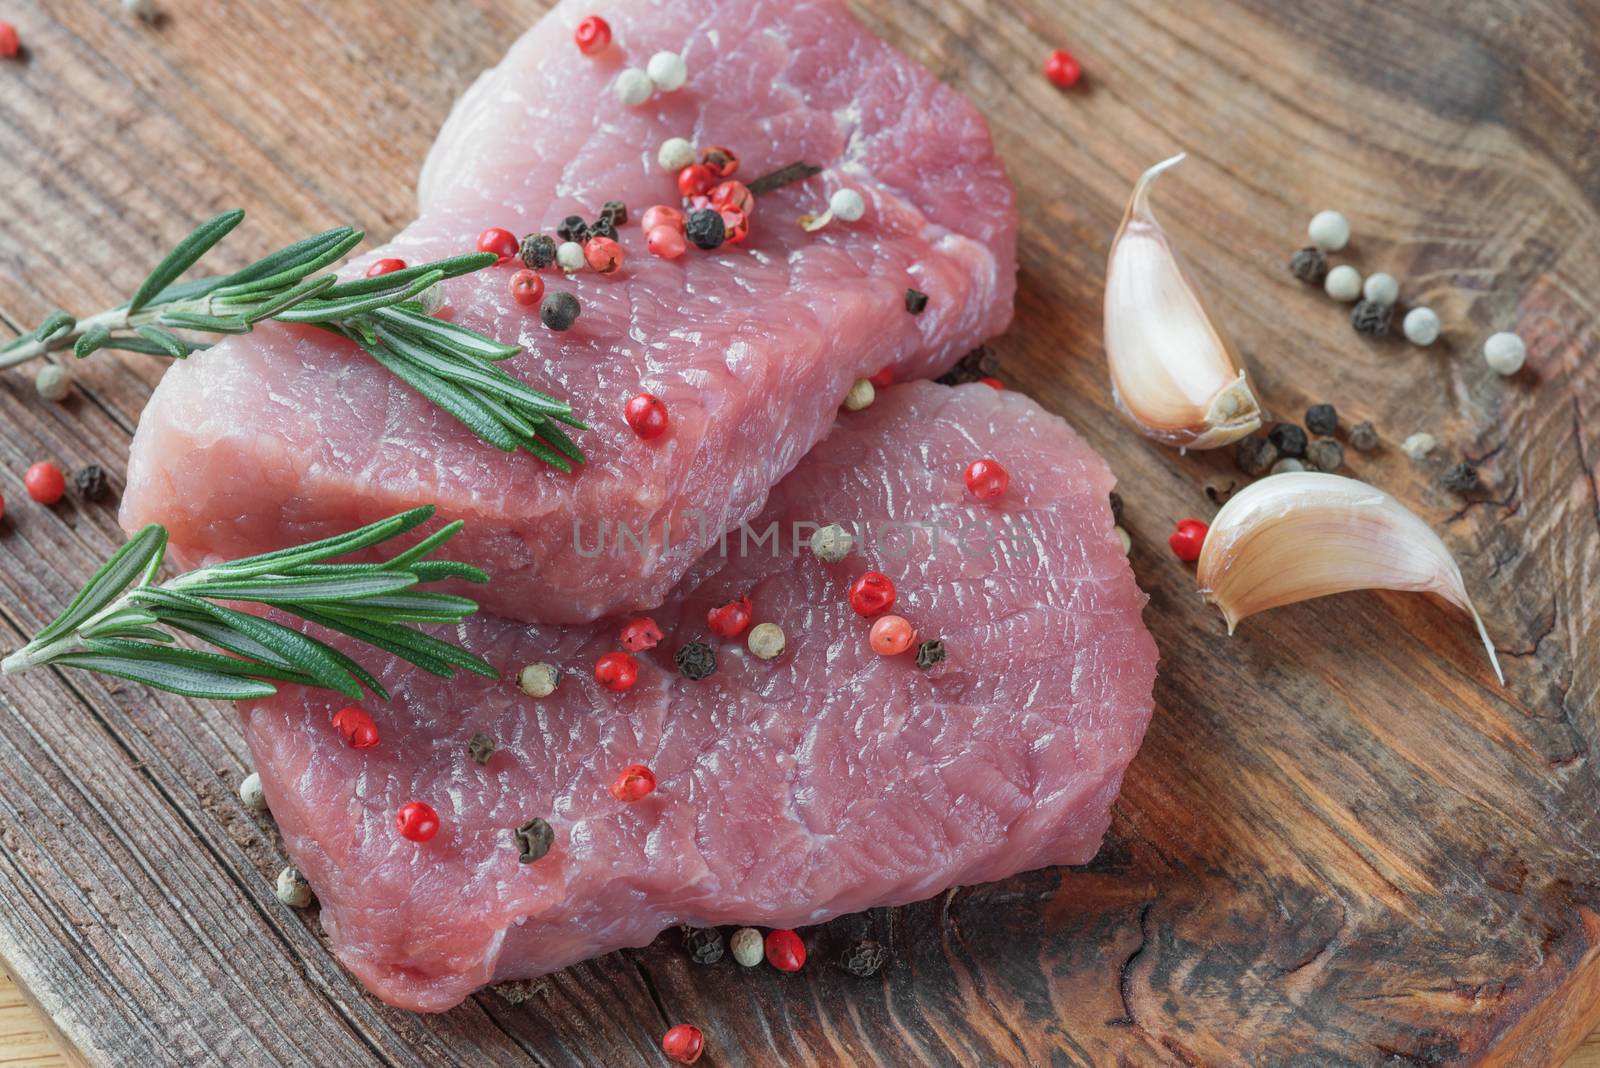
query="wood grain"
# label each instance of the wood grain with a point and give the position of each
(1341, 845)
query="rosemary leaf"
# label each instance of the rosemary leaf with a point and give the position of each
(311, 287)
(454, 267)
(325, 549)
(90, 341)
(169, 343)
(180, 679)
(185, 255)
(449, 336)
(280, 590)
(453, 399)
(413, 646)
(327, 311)
(215, 324)
(109, 583)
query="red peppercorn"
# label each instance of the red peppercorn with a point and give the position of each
(883, 378)
(986, 479)
(647, 415)
(1188, 539)
(666, 241)
(872, 593)
(640, 634)
(733, 195)
(616, 671)
(684, 1043)
(502, 243)
(785, 951)
(730, 620)
(735, 226)
(635, 782)
(720, 161)
(387, 266)
(356, 728)
(527, 287)
(993, 383)
(1062, 69)
(696, 180)
(891, 635)
(604, 255)
(661, 215)
(593, 35)
(45, 482)
(2, 507)
(417, 821)
(10, 43)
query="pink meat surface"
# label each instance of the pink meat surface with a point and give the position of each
(823, 782)
(287, 434)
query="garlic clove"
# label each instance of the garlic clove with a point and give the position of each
(1292, 537)
(1173, 374)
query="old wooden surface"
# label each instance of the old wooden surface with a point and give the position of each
(1341, 844)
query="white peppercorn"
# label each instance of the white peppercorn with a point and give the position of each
(1505, 353)
(293, 890)
(1418, 445)
(538, 680)
(1421, 326)
(847, 205)
(1329, 231)
(1343, 283)
(766, 641)
(570, 257)
(748, 946)
(832, 543)
(251, 794)
(633, 87)
(667, 71)
(861, 395)
(54, 382)
(1126, 539)
(1287, 465)
(675, 154)
(1381, 288)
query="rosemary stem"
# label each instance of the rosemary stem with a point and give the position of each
(31, 656)
(112, 319)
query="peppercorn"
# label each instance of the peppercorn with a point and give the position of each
(696, 660)
(533, 839)
(91, 482)
(1310, 265)
(863, 394)
(292, 889)
(1116, 507)
(615, 211)
(1418, 445)
(863, 958)
(706, 228)
(538, 680)
(722, 161)
(1289, 439)
(704, 944)
(1322, 419)
(929, 653)
(916, 301)
(603, 227)
(538, 251)
(748, 946)
(53, 382)
(1287, 466)
(1255, 456)
(1218, 494)
(481, 747)
(1364, 436)
(831, 544)
(978, 364)
(250, 793)
(1462, 478)
(573, 228)
(1325, 455)
(1371, 318)
(730, 619)
(559, 311)
(766, 641)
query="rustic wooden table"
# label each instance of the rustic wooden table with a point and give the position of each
(1342, 843)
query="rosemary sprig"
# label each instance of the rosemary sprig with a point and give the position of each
(451, 366)
(122, 623)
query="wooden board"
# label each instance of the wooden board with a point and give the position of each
(1342, 844)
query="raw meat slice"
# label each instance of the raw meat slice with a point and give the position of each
(287, 435)
(826, 781)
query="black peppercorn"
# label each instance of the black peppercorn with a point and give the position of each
(1116, 508)
(1255, 456)
(929, 653)
(534, 839)
(1372, 318)
(979, 363)
(1289, 439)
(1309, 265)
(481, 748)
(603, 227)
(573, 228)
(704, 944)
(91, 482)
(559, 310)
(538, 251)
(706, 229)
(1325, 455)
(1364, 437)
(616, 211)
(863, 958)
(1322, 419)
(1462, 478)
(916, 301)
(696, 660)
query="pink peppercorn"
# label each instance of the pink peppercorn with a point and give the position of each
(892, 635)
(661, 215)
(667, 242)
(527, 287)
(604, 255)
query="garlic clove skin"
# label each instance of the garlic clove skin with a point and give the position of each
(1173, 373)
(1292, 537)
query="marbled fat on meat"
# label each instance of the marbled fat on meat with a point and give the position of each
(826, 781)
(287, 434)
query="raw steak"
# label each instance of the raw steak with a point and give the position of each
(826, 781)
(286, 435)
